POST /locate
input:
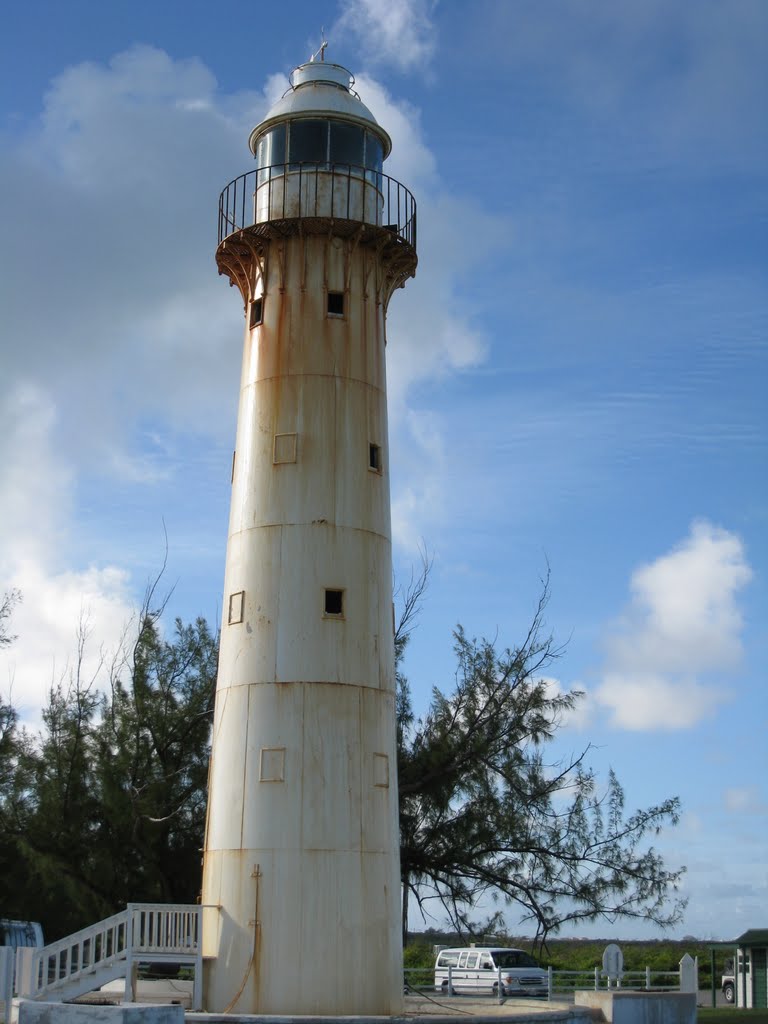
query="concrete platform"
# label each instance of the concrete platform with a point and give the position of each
(33, 1012)
(433, 1011)
(423, 1008)
(618, 1007)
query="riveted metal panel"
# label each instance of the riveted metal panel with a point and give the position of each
(272, 810)
(330, 481)
(248, 650)
(297, 336)
(331, 802)
(356, 649)
(230, 728)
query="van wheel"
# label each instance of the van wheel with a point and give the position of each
(728, 993)
(446, 991)
(496, 990)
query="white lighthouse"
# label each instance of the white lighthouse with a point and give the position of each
(301, 870)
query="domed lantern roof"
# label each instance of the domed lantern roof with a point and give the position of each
(320, 119)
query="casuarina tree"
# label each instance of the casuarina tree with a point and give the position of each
(487, 820)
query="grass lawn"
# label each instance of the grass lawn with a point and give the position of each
(730, 1015)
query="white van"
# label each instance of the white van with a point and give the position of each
(20, 933)
(477, 969)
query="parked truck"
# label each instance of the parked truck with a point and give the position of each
(728, 982)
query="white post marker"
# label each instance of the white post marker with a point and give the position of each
(613, 965)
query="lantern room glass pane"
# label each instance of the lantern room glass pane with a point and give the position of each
(271, 147)
(347, 144)
(374, 153)
(308, 142)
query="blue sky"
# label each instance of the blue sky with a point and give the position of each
(577, 375)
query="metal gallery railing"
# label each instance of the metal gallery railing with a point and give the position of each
(285, 192)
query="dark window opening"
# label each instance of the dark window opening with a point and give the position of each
(346, 144)
(314, 141)
(336, 303)
(334, 602)
(257, 310)
(374, 457)
(308, 142)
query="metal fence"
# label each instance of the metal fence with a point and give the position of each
(286, 192)
(561, 985)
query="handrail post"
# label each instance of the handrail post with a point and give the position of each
(25, 981)
(131, 975)
(197, 985)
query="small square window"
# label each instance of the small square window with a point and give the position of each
(256, 315)
(284, 448)
(381, 771)
(236, 607)
(272, 764)
(374, 457)
(334, 603)
(335, 303)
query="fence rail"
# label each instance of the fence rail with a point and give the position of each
(560, 984)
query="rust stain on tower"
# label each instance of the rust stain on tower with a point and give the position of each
(301, 868)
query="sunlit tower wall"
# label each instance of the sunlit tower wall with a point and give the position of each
(301, 867)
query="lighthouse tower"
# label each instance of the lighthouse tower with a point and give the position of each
(301, 868)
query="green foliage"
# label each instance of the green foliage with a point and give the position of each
(485, 817)
(731, 1015)
(660, 956)
(10, 599)
(419, 964)
(107, 805)
(419, 954)
(585, 954)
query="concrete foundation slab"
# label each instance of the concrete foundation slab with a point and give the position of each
(33, 1012)
(469, 1012)
(620, 1007)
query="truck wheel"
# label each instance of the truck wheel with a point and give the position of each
(729, 993)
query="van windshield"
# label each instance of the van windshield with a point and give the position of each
(512, 958)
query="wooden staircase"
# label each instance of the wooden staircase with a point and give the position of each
(147, 933)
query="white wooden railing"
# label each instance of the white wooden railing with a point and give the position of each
(113, 948)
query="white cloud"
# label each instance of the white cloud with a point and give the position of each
(744, 800)
(56, 599)
(399, 33)
(665, 83)
(580, 716)
(681, 629)
(431, 328)
(138, 338)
